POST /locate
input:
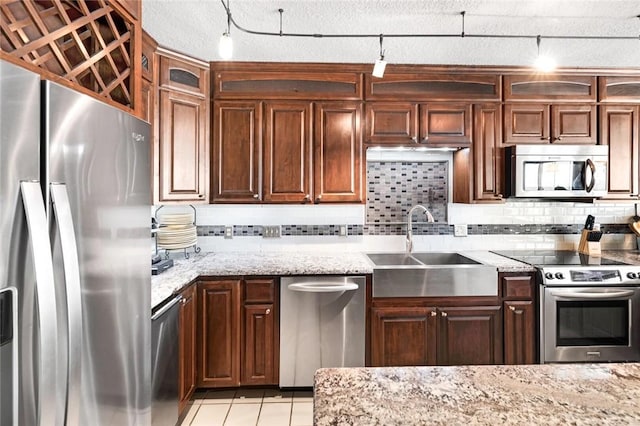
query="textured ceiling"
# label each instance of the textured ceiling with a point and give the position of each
(194, 28)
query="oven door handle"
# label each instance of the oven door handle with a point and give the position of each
(592, 294)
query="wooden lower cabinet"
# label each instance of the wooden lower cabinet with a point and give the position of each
(469, 335)
(187, 347)
(519, 332)
(238, 334)
(219, 344)
(436, 336)
(403, 336)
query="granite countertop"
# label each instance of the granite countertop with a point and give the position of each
(584, 394)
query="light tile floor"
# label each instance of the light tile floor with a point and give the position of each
(244, 407)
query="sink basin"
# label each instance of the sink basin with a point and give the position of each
(431, 274)
(444, 259)
(392, 259)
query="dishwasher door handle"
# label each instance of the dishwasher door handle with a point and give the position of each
(165, 308)
(322, 287)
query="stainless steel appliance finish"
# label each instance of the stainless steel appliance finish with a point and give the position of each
(431, 274)
(557, 171)
(74, 245)
(164, 364)
(589, 307)
(322, 324)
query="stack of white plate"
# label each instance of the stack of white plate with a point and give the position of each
(176, 231)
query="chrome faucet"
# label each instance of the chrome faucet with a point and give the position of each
(410, 224)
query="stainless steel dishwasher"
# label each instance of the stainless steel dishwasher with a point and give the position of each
(322, 324)
(164, 364)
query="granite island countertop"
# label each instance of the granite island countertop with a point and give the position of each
(583, 394)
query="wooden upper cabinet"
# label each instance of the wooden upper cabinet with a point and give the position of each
(237, 148)
(445, 124)
(183, 147)
(553, 87)
(287, 152)
(184, 76)
(545, 123)
(338, 153)
(149, 66)
(391, 122)
(432, 87)
(287, 85)
(619, 129)
(620, 89)
(133, 7)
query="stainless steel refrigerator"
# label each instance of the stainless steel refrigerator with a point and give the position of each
(74, 258)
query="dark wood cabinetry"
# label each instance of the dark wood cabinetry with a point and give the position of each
(427, 335)
(619, 129)
(187, 346)
(183, 129)
(545, 123)
(238, 334)
(429, 124)
(219, 333)
(519, 309)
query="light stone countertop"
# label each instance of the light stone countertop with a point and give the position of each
(221, 264)
(582, 394)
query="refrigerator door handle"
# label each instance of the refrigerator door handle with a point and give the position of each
(46, 375)
(64, 221)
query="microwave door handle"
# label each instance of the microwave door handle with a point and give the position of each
(592, 167)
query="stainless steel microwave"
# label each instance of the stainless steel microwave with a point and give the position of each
(557, 171)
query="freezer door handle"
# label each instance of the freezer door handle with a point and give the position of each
(47, 365)
(64, 221)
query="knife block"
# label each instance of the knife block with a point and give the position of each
(590, 248)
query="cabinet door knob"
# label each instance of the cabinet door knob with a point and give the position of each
(255, 196)
(267, 312)
(444, 314)
(434, 313)
(307, 197)
(414, 139)
(183, 300)
(318, 199)
(547, 138)
(200, 195)
(512, 308)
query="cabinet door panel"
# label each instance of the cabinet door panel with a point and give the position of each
(468, 336)
(573, 124)
(184, 164)
(528, 123)
(259, 348)
(338, 164)
(394, 123)
(519, 332)
(287, 152)
(237, 148)
(187, 359)
(619, 129)
(219, 315)
(445, 124)
(486, 152)
(403, 336)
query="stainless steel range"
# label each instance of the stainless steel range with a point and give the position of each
(589, 306)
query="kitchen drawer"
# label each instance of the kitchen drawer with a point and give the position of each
(517, 287)
(260, 291)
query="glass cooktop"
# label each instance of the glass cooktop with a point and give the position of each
(556, 258)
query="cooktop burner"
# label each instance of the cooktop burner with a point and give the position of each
(557, 258)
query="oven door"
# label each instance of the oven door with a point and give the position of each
(590, 324)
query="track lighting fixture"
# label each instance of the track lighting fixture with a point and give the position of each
(544, 63)
(225, 46)
(381, 64)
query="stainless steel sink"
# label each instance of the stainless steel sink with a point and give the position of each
(431, 274)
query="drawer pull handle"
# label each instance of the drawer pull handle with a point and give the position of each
(444, 314)
(512, 308)
(434, 313)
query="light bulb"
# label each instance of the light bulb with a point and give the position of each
(378, 68)
(225, 47)
(545, 63)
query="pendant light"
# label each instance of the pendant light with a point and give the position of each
(543, 62)
(225, 46)
(381, 64)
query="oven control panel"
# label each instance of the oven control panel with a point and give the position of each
(597, 276)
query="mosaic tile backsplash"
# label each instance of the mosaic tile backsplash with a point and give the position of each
(393, 187)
